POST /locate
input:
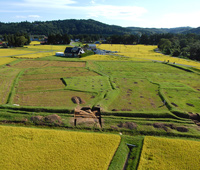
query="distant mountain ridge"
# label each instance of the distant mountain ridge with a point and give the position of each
(177, 30)
(82, 26)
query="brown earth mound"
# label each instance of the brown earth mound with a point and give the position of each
(50, 119)
(161, 126)
(182, 129)
(128, 125)
(171, 126)
(77, 100)
(37, 118)
(195, 118)
(55, 119)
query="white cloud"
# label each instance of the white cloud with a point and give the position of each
(94, 10)
(20, 16)
(47, 3)
(182, 19)
(34, 16)
(131, 13)
(92, 2)
(26, 17)
(171, 20)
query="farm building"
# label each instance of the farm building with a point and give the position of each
(60, 54)
(73, 52)
(92, 46)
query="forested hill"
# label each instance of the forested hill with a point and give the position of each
(194, 30)
(89, 26)
(150, 31)
(71, 26)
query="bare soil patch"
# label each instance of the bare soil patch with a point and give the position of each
(127, 125)
(47, 120)
(171, 126)
(29, 64)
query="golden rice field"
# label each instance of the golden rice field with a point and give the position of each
(5, 60)
(146, 52)
(35, 43)
(48, 47)
(10, 52)
(27, 148)
(169, 154)
(36, 55)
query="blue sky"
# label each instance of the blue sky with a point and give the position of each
(137, 13)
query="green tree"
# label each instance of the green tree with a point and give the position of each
(20, 41)
(194, 50)
(165, 45)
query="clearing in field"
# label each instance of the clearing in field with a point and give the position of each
(57, 75)
(49, 70)
(89, 83)
(183, 99)
(7, 76)
(169, 154)
(40, 85)
(29, 64)
(61, 98)
(136, 94)
(26, 148)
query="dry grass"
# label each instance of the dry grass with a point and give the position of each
(50, 98)
(29, 64)
(39, 85)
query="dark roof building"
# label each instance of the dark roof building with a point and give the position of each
(73, 52)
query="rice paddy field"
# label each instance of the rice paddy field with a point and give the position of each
(146, 53)
(28, 148)
(166, 154)
(13, 52)
(139, 95)
(35, 55)
(6, 60)
(126, 85)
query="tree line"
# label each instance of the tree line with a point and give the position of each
(178, 45)
(16, 40)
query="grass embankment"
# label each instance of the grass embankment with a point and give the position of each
(164, 154)
(126, 157)
(27, 148)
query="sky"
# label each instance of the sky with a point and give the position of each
(125, 13)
